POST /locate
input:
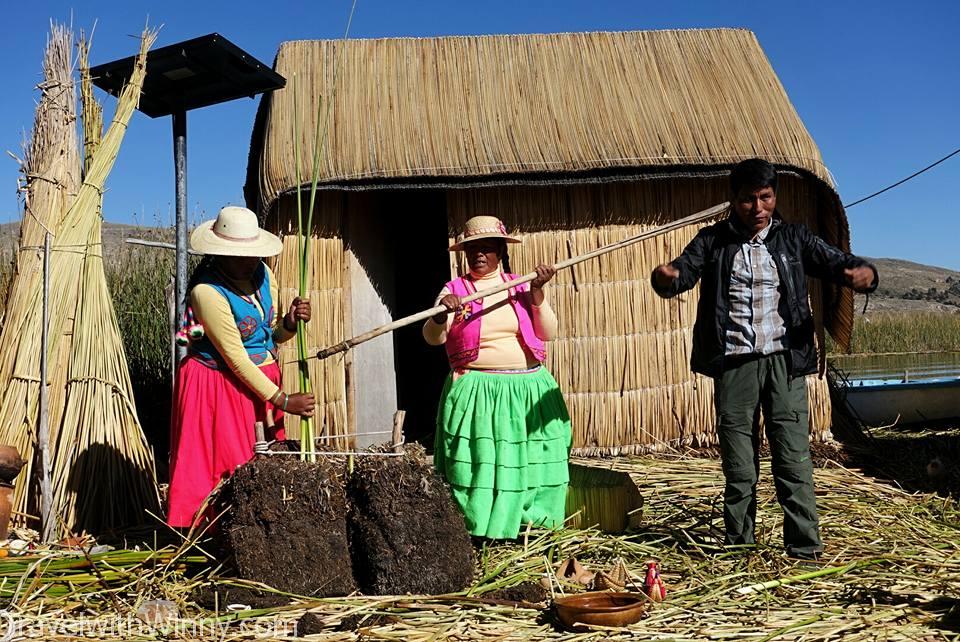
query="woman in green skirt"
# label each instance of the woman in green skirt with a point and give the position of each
(503, 431)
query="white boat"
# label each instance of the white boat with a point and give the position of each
(881, 402)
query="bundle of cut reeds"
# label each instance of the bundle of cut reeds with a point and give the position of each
(51, 176)
(97, 444)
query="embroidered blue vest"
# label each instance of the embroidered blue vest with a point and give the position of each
(256, 329)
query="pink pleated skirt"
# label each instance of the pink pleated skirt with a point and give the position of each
(212, 433)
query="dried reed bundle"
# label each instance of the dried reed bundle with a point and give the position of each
(99, 444)
(51, 179)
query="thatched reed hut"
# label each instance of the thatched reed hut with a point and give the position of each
(574, 140)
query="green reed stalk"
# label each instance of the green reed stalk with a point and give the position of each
(307, 433)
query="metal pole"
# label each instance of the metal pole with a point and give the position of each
(180, 171)
(43, 431)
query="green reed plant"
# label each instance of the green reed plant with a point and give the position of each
(892, 332)
(305, 230)
(138, 277)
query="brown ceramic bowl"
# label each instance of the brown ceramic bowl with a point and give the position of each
(601, 608)
(10, 463)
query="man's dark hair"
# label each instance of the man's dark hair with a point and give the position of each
(753, 174)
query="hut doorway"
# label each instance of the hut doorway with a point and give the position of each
(419, 227)
(399, 262)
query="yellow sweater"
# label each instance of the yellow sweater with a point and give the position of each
(212, 310)
(500, 342)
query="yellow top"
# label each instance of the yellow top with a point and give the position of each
(500, 342)
(212, 310)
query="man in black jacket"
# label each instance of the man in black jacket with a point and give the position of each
(754, 336)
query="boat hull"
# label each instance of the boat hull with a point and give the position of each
(879, 402)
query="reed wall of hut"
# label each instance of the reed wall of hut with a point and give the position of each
(575, 141)
(622, 354)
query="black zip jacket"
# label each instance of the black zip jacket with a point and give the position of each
(797, 252)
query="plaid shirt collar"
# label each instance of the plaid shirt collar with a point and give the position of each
(746, 236)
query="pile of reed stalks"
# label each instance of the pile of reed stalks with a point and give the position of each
(102, 467)
(891, 571)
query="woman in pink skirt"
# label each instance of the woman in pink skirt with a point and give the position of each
(230, 378)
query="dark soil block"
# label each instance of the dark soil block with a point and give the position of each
(407, 534)
(217, 598)
(309, 624)
(287, 525)
(528, 592)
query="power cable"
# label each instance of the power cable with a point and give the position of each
(902, 181)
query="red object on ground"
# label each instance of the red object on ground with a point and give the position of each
(212, 433)
(653, 584)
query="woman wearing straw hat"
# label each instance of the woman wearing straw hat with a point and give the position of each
(230, 378)
(503, 431)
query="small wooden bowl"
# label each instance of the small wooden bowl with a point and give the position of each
(600, 608)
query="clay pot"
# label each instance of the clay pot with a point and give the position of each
(600, 609)
(6, 506)
(10, 463)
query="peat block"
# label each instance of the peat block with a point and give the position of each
(287, 525)
(407, 534)
(530, 592)
(215, 597)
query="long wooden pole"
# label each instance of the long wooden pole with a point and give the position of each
(526, 278)
(43, 431)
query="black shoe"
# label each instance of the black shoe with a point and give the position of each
(804, 559)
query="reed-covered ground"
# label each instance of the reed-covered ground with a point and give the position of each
(891, 571)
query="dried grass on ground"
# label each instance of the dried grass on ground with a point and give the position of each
(899, 553)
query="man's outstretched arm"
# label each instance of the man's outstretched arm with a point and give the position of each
(681, 274)
(825, 261)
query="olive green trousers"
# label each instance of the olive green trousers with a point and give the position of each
(749, 386)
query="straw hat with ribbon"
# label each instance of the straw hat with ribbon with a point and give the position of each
(482, 227)
(235, 232)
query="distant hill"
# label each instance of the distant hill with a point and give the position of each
(114, 235)
(913, 287)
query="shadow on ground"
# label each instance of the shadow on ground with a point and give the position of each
(922, 458)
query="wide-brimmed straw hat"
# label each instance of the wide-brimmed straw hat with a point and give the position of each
(235, 232)
(482, 227)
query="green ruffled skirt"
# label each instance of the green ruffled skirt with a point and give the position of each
(502, 442)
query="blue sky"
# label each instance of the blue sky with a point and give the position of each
(876, 84)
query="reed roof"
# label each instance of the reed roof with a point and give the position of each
(507, 105)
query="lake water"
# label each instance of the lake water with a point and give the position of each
(900, 367)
